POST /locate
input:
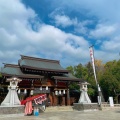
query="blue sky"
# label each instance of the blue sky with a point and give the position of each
(59, 29)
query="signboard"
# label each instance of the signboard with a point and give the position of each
(99, 100)
(111, 102)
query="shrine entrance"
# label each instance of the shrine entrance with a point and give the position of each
(39, 76)
(62, 100)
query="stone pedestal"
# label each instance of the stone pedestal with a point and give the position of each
(85, 106)
(11, 110)
(84, 102)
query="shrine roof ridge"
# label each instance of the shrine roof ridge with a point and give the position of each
(14, 70)
(10, 65)
(68, 76)
(40, 64)
(39, 59)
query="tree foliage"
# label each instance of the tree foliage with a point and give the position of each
(110, 79)
(108, 76)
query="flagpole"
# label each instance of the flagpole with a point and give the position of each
(93, 62)
(94, 70)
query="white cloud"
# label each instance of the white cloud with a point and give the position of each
(103, 9)
(106, 56)
(60, 19)
(112, 45)
(103, 30)
(54, 42)
(12, 11)
(81, 28)
(17, 37)
(64, 21)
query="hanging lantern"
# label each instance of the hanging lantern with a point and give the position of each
(19, 91)
(60, 92)
(40, 87)
(63, 91)
(14, 78)
(25, 91)
(56, 92)
(31, 92)
(46, 87)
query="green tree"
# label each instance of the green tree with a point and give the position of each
(84, 72)
(71, 69)
(78, 71)
(92, 88)
(108, 76)
(110, 79)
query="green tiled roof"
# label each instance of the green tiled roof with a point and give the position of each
(37, 64)
(41, 64)
(14, 70)
(69, 77)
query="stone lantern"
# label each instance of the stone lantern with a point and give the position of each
(12, 97)
(84, 102)
(84, 98)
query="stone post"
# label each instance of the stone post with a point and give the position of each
(68, 97)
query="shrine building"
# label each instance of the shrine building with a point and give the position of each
(40, 75)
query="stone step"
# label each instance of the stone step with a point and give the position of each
(59, 108)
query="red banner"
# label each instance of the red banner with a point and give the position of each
(93, 62)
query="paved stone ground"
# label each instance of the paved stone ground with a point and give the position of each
(113, 114)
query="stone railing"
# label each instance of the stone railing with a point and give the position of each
(104, 106)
